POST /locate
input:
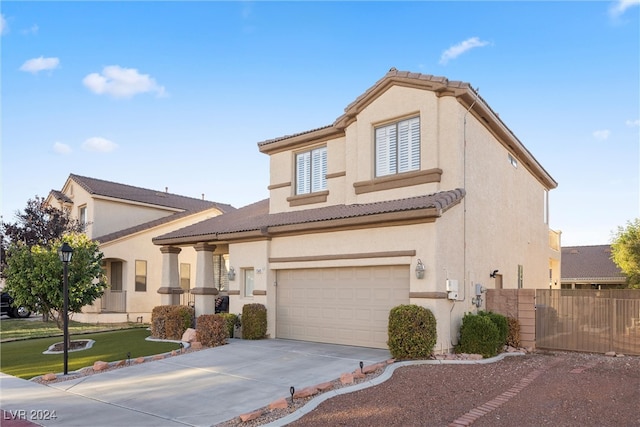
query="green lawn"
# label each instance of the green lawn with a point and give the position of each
(24, 358)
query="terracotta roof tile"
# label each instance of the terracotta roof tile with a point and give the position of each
(143, 195)
(589, 262)
(256, 216)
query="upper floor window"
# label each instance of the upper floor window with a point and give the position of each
(398, 147)
(82, 215)
(311, 171)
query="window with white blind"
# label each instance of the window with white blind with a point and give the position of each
(311, 171)
(398, 147)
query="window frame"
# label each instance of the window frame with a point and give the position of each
(314, 163)
(82, 216)
(248, 276)
(185, 267)
(140, 279)
(390, 152)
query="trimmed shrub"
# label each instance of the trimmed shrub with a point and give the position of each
(513, 337)
(254, 321)
(478, 335)
(232, 320)
(412, 332)
(501, 322)
(168, 322)
(212, 330)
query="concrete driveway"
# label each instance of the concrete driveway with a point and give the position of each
(202, 388)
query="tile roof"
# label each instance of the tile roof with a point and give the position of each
(589, 262)
(143, 195)
(59, 195)
(256, 217)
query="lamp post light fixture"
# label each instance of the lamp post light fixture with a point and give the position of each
(65, 254)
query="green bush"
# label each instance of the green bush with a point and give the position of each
(232, 320)
(412, 332)
(254, 321)
(168, 322)
(513, 337)
(212, 330)
(501, 322)
(478, 335)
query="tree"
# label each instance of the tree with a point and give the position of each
(34, 275)
(39, 224)
(625, 251)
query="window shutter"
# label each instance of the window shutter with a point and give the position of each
(409, 145)
(386, 150)
(303, 171)
(319, 169)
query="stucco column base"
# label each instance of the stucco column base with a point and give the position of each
(170, 295)
(205, 300)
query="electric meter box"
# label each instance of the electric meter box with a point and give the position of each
(452, 286)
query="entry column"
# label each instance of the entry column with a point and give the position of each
(170, 289)
(205, 290)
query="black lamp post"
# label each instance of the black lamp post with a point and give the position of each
(65, 254)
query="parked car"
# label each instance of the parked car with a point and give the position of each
(9, 309)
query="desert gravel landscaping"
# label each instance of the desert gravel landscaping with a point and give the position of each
(545, 388)
(539, 389)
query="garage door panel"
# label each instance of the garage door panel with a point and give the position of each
(353, 303)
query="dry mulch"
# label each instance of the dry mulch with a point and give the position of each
(553, 389)
(571, 389)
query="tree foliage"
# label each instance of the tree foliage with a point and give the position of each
(34, 275)
(625, 251)
(39, 224)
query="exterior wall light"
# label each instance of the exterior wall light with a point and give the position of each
(420, 268)
(231, 274)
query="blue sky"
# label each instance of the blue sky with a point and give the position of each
(177, 94)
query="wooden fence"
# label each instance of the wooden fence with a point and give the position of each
(596, 321)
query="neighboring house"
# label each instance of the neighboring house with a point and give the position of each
(418, 173)
(590, 267)
(123, 219)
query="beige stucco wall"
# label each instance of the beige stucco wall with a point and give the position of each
(140, 247)
(499, 224)
(106, 215)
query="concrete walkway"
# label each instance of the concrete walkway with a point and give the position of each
(202, 388)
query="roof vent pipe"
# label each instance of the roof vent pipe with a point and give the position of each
(166, 189)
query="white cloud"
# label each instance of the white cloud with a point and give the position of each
(4, 27)
(61, 148)
(31, 30)
(121, 82)
(633, 123)
(457, 50)
(619, 7)
(602, 135)
(36, 65)
(98, 144)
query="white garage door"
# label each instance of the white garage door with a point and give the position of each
(340, 305)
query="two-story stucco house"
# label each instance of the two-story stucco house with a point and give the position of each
(417, 194)
(124, 219)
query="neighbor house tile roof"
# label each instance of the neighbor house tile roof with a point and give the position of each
(59, 195)
(256, 217)
(589, 263)
(100, 187)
